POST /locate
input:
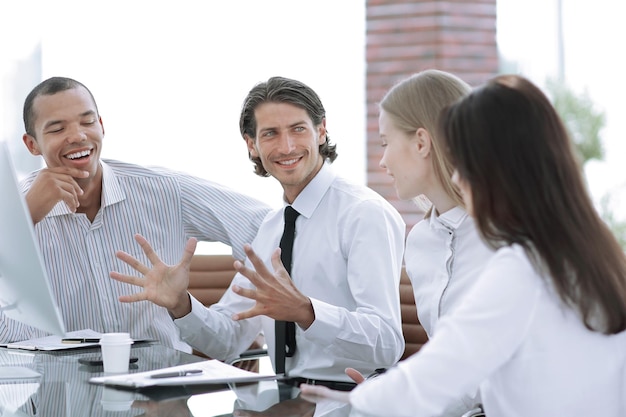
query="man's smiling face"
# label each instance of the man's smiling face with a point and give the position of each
(287, 143)
(68, 130)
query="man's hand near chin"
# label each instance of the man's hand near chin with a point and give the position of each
(52, 185)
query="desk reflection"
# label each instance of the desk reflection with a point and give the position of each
(64, 390)
(261, 400)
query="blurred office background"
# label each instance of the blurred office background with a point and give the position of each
(169, 77)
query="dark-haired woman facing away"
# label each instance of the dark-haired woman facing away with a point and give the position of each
(544, 329)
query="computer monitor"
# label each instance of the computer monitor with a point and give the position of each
(25, 292)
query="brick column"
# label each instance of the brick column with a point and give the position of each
(404, 37)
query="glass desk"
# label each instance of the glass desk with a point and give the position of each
(63, 390)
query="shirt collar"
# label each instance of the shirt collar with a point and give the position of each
(451, 219)
(310, 197)
(112, 191)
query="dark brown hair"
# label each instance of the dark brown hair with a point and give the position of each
(507, 141)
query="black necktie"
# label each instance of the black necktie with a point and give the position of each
(286, 331)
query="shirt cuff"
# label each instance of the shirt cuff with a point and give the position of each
(324, 329)
(194, 320)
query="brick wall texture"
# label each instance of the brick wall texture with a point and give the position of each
(404, 37)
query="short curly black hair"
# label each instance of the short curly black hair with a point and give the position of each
(48, 87)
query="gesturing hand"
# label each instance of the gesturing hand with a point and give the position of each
(355, 375)
(276, 296)
(162, 284)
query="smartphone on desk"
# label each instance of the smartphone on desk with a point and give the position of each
(97, 360)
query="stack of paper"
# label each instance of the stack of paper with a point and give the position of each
(72, 340)
(200, 373)
(53, 342)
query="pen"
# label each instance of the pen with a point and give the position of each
(80, 340)
(185, 372)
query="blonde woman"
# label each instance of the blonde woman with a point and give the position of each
(444, 253)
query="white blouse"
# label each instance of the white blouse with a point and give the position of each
(444, 256)
(531, 355)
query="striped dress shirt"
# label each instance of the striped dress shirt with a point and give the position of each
(167, 208)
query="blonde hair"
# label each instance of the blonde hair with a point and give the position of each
(416, 102)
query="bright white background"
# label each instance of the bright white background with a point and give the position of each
(594, 35)
(169, 76)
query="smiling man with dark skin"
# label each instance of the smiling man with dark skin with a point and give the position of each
(71, 134)
(85, 208)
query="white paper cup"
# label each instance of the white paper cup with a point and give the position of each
(116, 400)
(115, 352)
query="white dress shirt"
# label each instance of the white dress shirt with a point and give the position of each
(444, 256)
(347, 257)
(532, 355)
(164, 206)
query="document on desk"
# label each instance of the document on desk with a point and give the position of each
(72, 340)
(56, 342)
(206, 372)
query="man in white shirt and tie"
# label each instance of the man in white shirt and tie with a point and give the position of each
(342, 292)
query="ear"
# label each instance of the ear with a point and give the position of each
(101, 124)
(423, 141)
(31, 144)
(321, 130)
(251, 146)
